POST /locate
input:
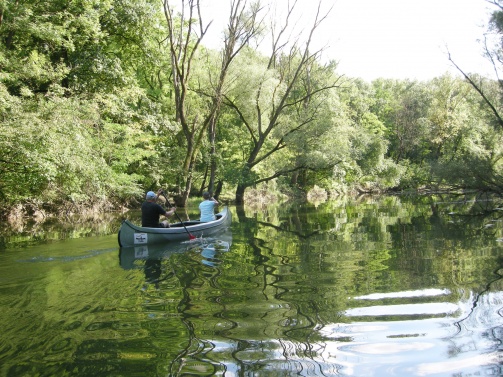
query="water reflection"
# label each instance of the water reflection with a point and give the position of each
(298, 315)
(377, 287)
(149, 257)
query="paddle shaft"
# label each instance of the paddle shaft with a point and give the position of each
(179, 219)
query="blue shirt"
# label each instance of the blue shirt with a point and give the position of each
(206, 207)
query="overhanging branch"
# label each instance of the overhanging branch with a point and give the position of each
(479, 90)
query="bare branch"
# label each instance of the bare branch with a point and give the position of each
(490, 56)
(279, 174)
(276, 46)
(495, 2)
(479, 90)
(232, 105)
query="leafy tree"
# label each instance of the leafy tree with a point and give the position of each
(484, 151)
(77, 127)
(67, 150)
(84, 45)
(448, 114)
(362, 134)
(282, 98)
(471, 156)
(198, 113)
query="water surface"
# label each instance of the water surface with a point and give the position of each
(387, 286)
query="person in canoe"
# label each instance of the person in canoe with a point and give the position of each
(151, 212)
(207, 207)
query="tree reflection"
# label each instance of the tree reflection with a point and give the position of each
(346, 287)
(294, 278)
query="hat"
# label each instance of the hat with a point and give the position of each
(150, 195)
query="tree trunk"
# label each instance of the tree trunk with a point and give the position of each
(182, 197)
(240, 193)
(213, 163)
(218, 189)
(295, 177)
(203, 184)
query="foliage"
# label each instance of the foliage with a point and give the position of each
(60, 149)
(76, 126)
(93, 111)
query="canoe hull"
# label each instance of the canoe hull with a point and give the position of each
(131, 235)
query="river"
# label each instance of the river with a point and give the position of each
(384, 286)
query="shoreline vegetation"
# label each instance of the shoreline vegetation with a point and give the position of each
(98, 107)
(255, 199)
(442, 208)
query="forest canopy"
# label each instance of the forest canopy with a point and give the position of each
(101, 101)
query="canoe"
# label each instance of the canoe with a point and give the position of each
(131, 235)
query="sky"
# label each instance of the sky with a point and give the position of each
(402, 39)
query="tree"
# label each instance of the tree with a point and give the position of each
(283, 99)
(81, 45)
(484, 154)
(69, 150)
(76, 126)
(243, 26)
(185, 36)
(361, 138)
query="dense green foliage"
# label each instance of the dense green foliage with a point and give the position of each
(92, 114)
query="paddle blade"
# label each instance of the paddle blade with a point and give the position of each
(191, 237)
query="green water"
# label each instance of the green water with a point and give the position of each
(387, 286)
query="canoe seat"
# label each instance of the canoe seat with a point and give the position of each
(186, 223)
(193, 222)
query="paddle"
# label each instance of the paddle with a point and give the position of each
(191, 237)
